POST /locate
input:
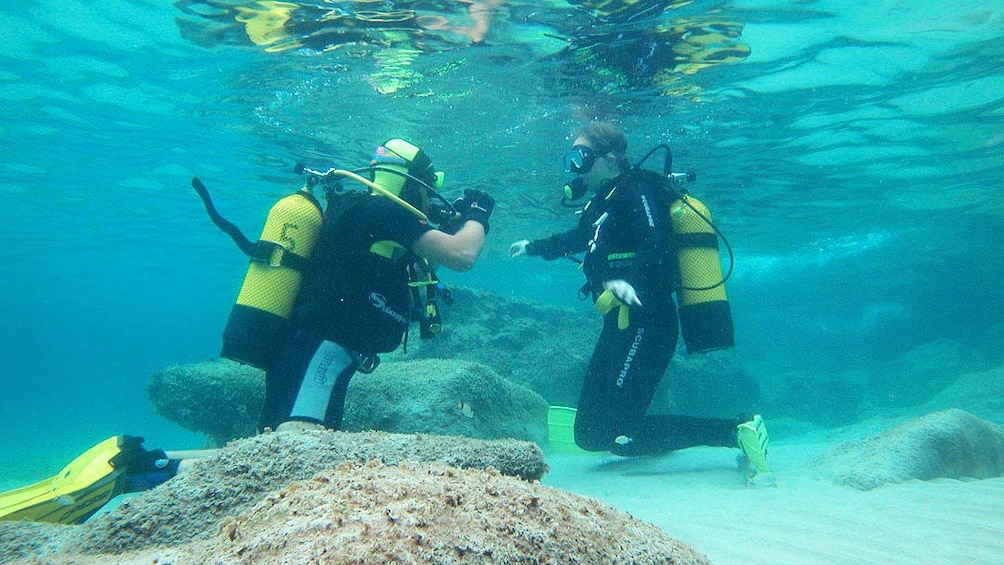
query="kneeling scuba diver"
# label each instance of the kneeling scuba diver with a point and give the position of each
(347, 295)
(645, 240)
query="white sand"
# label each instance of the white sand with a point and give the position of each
(699, 497)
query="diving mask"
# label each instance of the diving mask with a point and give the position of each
(580, 160)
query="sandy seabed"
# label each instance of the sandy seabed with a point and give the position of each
(699, 497)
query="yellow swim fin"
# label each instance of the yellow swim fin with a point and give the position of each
(76, 492)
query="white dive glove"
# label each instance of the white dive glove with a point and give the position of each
(518, 248)
(621, 289)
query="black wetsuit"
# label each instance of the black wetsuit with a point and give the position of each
(350, 295)
(625, 234)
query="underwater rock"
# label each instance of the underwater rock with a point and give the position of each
(982, 393)
(821, 399)
(919, 374)
(952, 444)
(448, 397)
(25, 540)
(421, 514)
(193, 503)
(544, 348)
(708, 385)
(445, 397)
(220, 398)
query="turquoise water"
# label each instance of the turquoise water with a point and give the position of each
(854, 159)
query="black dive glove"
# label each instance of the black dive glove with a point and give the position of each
(475, 205)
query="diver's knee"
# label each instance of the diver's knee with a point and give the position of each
(318, 384)
(590, 441)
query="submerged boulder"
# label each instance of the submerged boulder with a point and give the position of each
(433, 396)
(192, 503)
(541, 347)
(445, 397)
(220, 398)
(952, 444)
(436, 515)
(337, 498)
(241, 474)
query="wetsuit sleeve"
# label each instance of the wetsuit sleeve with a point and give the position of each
(571, 242)
(648, 206)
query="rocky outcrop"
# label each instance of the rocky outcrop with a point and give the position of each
(338, 498)
(951, 444)
(220, 398)
(432, 396)
(445, 397)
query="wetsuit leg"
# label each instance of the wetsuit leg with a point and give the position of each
(622, 377)
(623, 374)
(282, 380)
(308, 382)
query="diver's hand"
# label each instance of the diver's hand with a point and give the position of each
(518, 249)
(476, 205)
(623, 291)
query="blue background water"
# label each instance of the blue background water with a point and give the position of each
(854, 159)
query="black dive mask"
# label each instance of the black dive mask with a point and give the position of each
(580, 160)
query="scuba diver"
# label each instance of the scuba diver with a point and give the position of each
(641, 246)
(355, 300)
(324, 294)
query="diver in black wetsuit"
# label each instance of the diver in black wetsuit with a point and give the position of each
(356, 301)
(630, 271)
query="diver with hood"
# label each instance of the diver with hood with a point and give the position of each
(355, 301)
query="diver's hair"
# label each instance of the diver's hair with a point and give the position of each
(607, 138)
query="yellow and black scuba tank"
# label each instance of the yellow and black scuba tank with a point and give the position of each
(259, 319)
(704, 311)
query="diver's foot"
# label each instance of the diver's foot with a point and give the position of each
(754, 441)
